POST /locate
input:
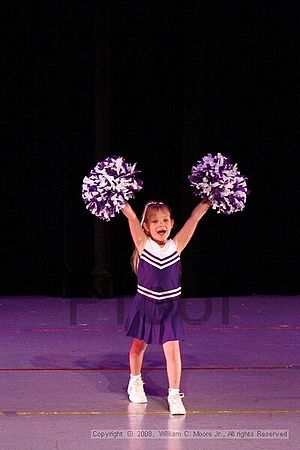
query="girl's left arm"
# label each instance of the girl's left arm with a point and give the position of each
(183, 236)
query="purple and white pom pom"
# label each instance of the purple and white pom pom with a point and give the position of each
(216, 179)
(109, 185)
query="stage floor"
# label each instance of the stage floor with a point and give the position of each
(64, 373)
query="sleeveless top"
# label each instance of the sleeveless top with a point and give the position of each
(159, 271)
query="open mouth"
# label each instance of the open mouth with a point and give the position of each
(161, 232)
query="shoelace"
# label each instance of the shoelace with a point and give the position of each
(176, 398)
(138, 385)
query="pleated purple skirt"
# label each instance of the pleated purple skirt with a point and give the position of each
(154, 321)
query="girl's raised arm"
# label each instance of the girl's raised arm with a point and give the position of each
(183, 236)
(138, 235)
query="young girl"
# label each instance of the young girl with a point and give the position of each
(154, 313)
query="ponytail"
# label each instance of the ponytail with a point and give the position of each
(134, 261)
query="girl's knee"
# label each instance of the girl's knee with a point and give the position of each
(171, 349)
(138, 346)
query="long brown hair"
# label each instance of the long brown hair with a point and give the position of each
(149, 207)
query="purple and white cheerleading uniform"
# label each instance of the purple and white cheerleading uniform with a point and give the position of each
(154, 315)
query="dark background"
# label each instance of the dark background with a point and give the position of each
(161, 85)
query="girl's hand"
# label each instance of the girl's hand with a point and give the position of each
(205, 204)
(128, 212)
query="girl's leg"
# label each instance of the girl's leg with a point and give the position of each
(173, 360)
(136, 355)
(135, 388)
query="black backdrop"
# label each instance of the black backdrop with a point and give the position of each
(161, 85)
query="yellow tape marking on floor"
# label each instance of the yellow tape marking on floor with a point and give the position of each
(126, 413)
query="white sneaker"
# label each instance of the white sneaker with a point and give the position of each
(136, 392)
(175, 404)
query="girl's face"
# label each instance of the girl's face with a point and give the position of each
(158, 224)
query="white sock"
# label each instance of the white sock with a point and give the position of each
(173, 391)
(135, 377)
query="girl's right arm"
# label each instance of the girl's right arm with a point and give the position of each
(138, 235)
